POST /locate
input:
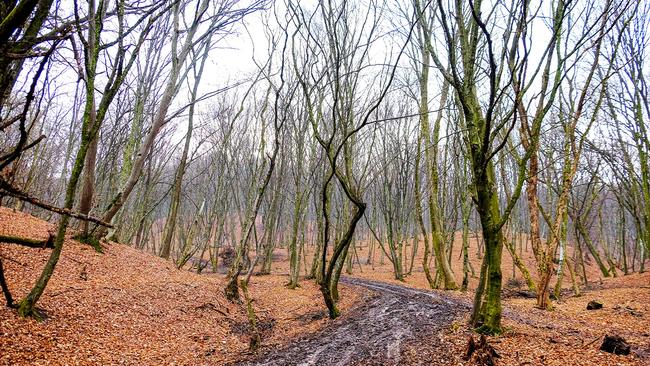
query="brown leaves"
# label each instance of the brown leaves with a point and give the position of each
(569, 335)
(129, 307)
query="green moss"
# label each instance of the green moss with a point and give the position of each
(90, 240)
(27, 311)
(232, 291)
(255, 337)
(489, 330)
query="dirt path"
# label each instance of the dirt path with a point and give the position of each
(374, 333)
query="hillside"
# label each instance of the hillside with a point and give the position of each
(129, 307)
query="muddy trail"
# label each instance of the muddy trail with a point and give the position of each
(375, 333)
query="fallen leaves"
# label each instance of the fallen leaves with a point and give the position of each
(129, 307)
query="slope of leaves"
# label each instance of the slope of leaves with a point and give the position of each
(128, 307)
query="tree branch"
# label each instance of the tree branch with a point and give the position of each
(17, 193)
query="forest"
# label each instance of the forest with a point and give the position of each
(340, 182)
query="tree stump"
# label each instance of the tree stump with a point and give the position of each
(480, 353)
(594, 305)
(616, 345)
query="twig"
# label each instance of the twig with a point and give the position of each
(210, 306)
(65, 291)
(13, 260)
(592, 342)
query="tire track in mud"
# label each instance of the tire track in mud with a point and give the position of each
(373, 333)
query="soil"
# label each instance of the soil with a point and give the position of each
(376, 332)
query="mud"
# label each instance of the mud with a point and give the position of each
(375, 333)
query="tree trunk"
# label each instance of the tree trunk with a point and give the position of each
(294, 258)
(488, 318)
(175, 201)
(88, 189)
(591, 247)
(27, 306)
(519, 263)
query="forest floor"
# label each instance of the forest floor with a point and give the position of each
(406, 325)
(568, 335)
(129, 307)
